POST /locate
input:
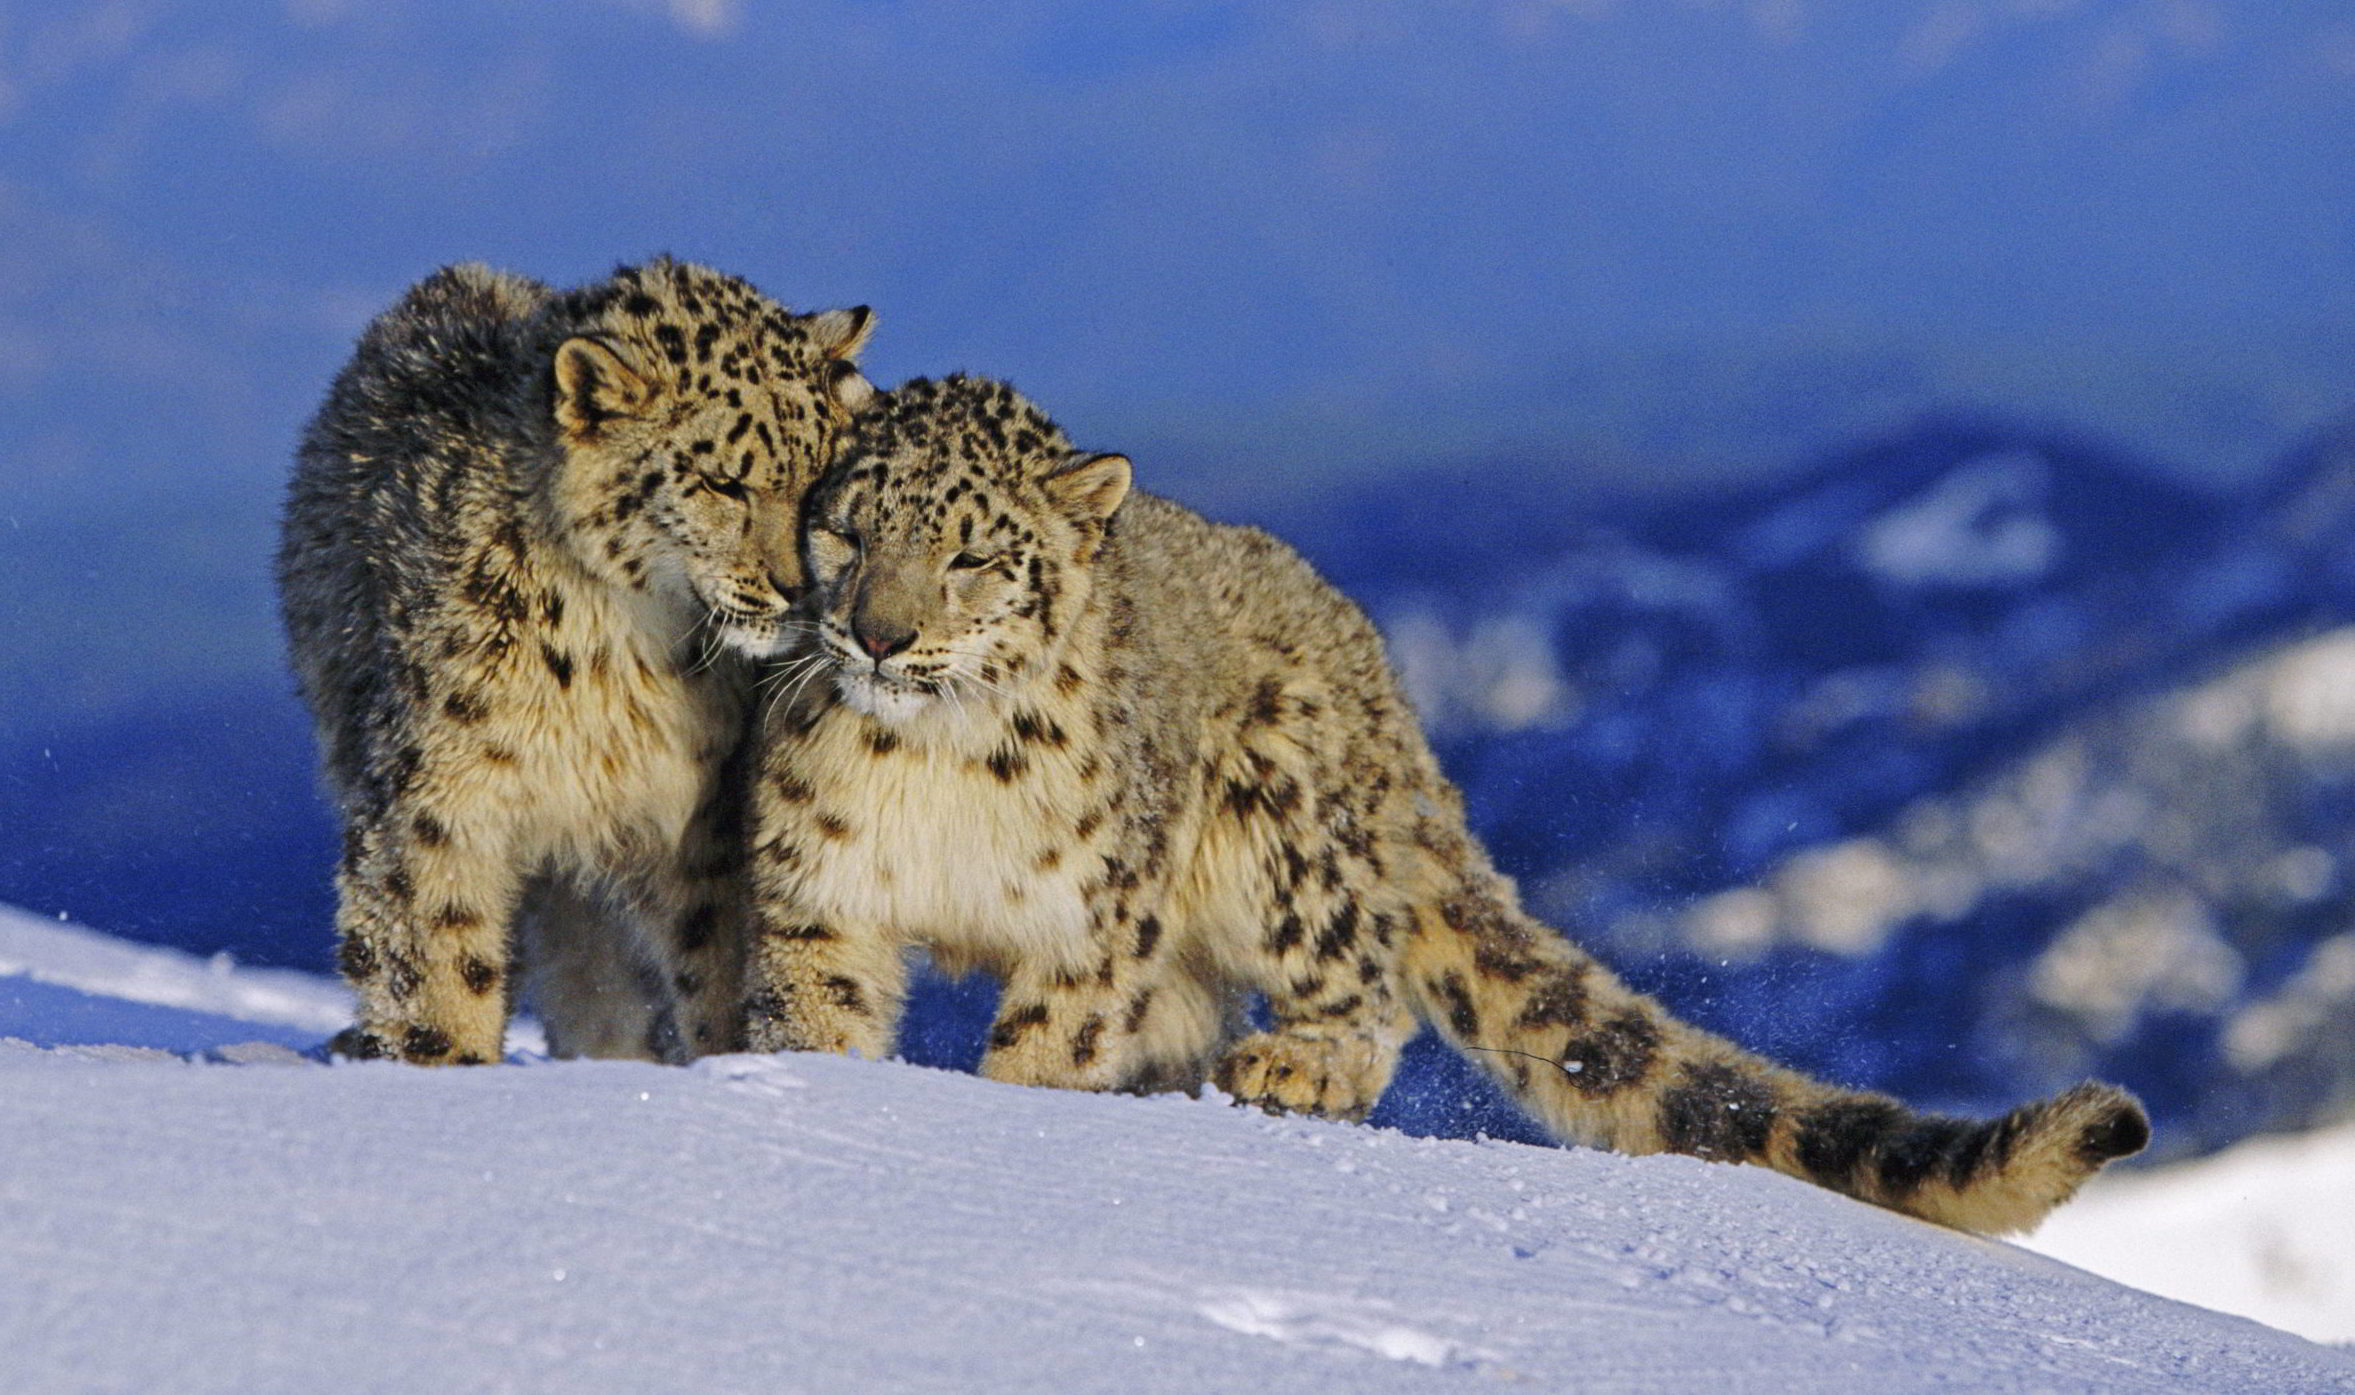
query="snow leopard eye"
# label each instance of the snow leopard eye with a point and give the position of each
(834, 549)
(971, 561)
(725, 488)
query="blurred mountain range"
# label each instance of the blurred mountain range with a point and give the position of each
(1970, 762)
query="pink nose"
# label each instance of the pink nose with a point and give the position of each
(882, 641)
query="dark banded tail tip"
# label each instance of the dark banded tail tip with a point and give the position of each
(2118, 1127)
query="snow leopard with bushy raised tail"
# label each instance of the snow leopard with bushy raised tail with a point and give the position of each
(532, 539)
(1139, 765)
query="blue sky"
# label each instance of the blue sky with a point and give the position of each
(1567, 225)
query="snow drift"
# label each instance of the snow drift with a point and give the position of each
(193, 1205)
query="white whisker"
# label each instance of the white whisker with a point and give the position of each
(800, 672)
(999, 688)
(713, 638)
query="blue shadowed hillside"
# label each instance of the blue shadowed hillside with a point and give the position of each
(1854, 489)
(1971, 755)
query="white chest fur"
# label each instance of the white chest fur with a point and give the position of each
(614, 741)
(925, 841)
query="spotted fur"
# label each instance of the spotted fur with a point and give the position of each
(531, 542)
(1139, 765)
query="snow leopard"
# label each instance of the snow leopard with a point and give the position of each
(1142, 767)
(524, 565)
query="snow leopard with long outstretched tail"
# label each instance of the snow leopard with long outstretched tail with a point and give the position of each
(1138, 765)
(527, 550)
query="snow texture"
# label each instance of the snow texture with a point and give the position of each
(2264, 1230)
(186, 1213)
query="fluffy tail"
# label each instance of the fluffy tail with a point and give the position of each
(1601, 1064)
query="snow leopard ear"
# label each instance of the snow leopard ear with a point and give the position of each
(1090, 486)
(848, 386)
(842, 333)
(595, 385)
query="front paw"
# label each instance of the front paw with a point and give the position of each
(1331, 1077)
(419, 1045)
(357, 1043)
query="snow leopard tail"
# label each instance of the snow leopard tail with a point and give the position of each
(1601, 1064)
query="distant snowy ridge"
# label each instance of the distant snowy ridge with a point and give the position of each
(825, 1224)
(71, 957)
(1969, 764)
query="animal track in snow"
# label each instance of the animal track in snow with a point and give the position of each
(762, 1074)
(1330, 1322)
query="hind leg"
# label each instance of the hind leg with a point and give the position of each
(587, 976)
(1182, 1028)
(1329, 1054)
(691, 934)
(1330, 972)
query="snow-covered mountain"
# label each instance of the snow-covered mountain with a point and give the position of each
(189, 1204)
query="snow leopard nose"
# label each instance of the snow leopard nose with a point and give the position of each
(880, 638)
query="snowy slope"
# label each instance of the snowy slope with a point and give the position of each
(181, 999)
(238, 1219)
(2263, 1230)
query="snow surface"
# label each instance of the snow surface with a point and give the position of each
(188, 1204)
(2266, 1230)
